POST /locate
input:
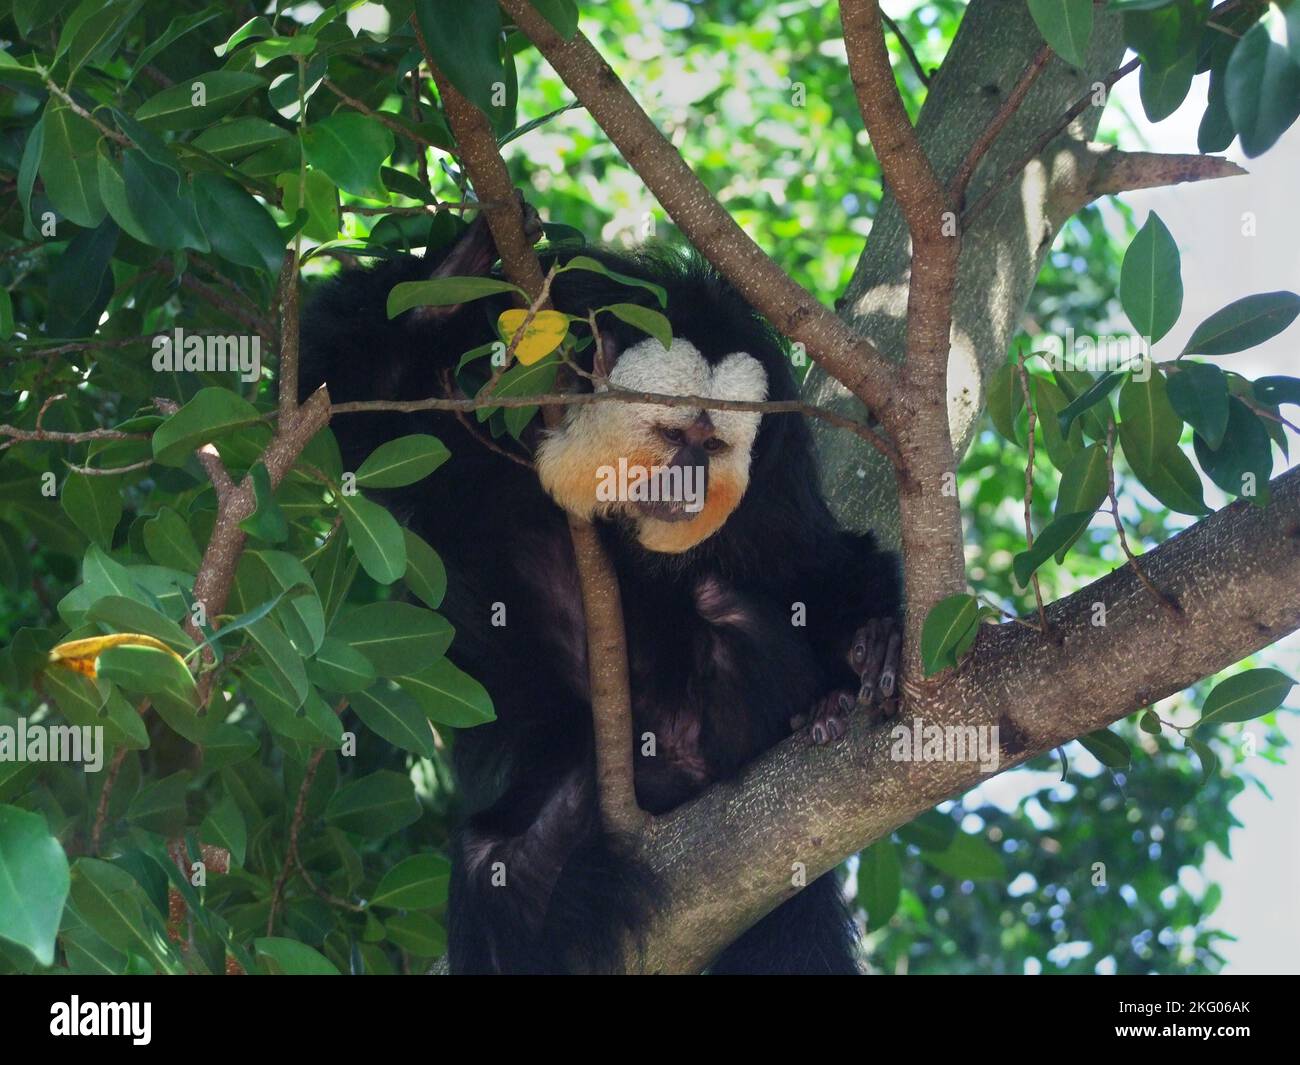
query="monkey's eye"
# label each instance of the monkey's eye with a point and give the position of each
(714, 444)
(673, 436)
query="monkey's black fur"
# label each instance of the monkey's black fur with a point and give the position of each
(717, 666)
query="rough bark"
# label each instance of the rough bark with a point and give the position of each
(1002, 253)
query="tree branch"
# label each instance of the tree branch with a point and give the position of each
(930, 513)
(611, 697)
(1237, 575)
(1118, 171)
(793, 312)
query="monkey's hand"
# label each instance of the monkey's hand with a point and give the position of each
(874, 655)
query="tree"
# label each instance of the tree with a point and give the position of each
(190, 567)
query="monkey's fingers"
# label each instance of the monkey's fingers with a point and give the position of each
(829, 717)
(875, 656)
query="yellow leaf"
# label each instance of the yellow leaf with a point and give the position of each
(80, 656)
(544, 334)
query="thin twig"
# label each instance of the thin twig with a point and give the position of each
(111, 471)
(379, 116)
(1036, 149)
(966, 170)
(77, 109)
(105, 794)
(1029, 487)
(908, 50)
(620, 395)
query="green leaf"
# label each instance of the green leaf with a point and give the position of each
(334, 572)
(349, 148)
(283, 664)
(28, 167)
(112, 903)
(1110, 750)
(95, 506)
(932, 831)
(1243, 324)
(444, 292)
(1049, 403)
(967, 858)
(1168, 475)
(287, 957)
(1150, 280)
(338, 667)
(34, 882)
(1198, 393)
(1150, 723)
(239, 137)
(448, 696)
(81, 283)
(160, 806)
(417, 933)
(220, 92)
(374, 806)
(169, 685)
(316, 724)
(1084, 485)
(644, 319)
(93, 31)
(259, 26)
(586, 262)
(267, 522)
(322, 202)
(1163, 89)
(397, 637)
(1262, 84)
(403, 461)
(465, 42)
(416, 883)
(68, 167)
(1274, 391)
(169, 542)
(298, 608)
(167, 217)
(1209, 761)
(561, 14)
(1057, 537)
(376, 537)
(1149, 425)
(1246, 696)
(947, 623)
(1066, 25)
(225, 826)
(425, 574)
(129, 615)
(1005, 400)
(1087, 400)
(879, 882)
(396, 716)
(238, 227)
(1243, 463)
(213, 413)
(177, 29)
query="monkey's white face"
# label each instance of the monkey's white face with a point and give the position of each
(575, 463)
